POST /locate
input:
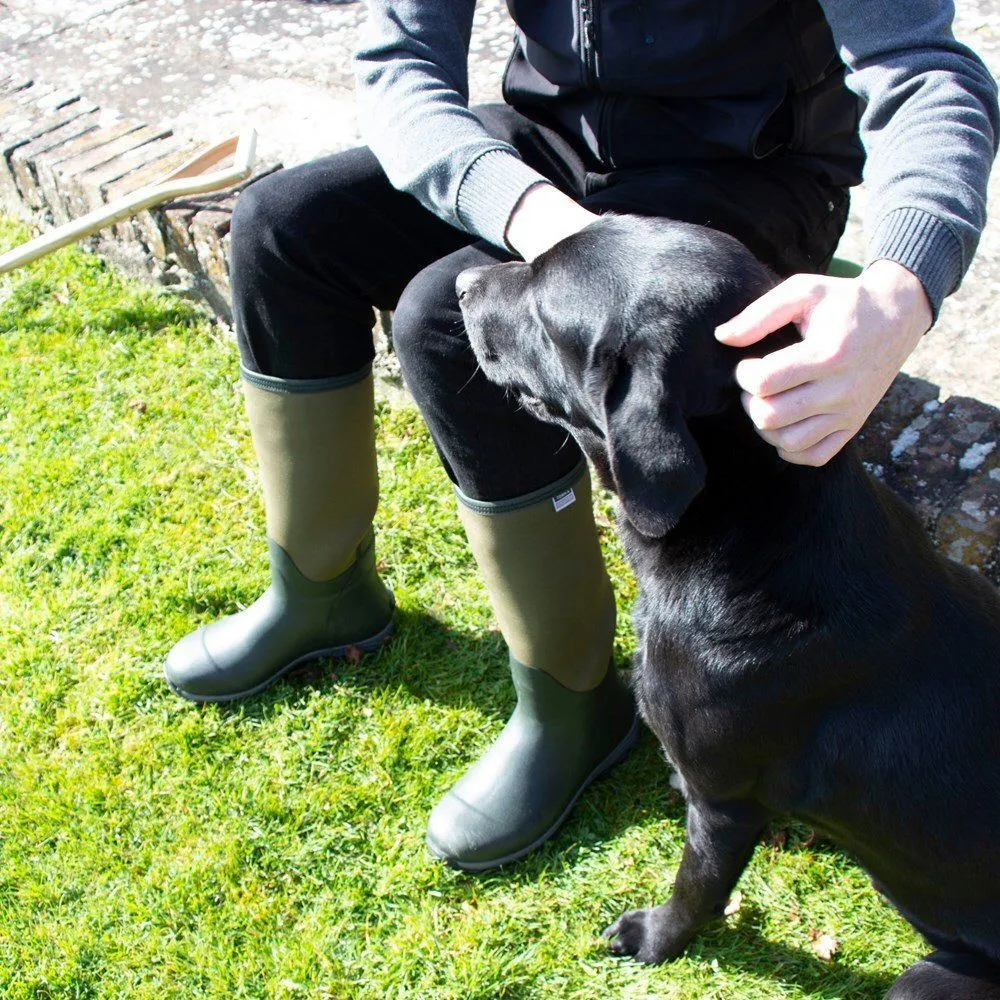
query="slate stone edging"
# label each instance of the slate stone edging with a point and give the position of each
(943, 458)
(61, 157)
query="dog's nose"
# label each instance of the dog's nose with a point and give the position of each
(465, 281)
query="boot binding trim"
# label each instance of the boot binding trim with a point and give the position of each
(271, 383)
(551, 491)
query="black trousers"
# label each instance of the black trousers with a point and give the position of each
(316, 247)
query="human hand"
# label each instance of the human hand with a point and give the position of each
(811, 398)
(542, 218)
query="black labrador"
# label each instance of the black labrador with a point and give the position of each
(803, 650)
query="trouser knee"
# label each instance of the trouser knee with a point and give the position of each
(491, 448)
(428, 335)
(299, 303)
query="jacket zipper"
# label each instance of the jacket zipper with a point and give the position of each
(588, 41)
(588, 47)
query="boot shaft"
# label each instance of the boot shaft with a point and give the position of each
(315, 444)
(541, 559)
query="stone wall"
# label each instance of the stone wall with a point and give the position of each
(61, 157)
(942, 458)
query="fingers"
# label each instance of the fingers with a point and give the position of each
(789, 302)
(820, 453)
(780, 370)
(802, 435)
(799, 402)
(813, 441)
(807, 425)
(771, 413)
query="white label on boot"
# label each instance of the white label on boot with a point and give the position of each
(564, 500)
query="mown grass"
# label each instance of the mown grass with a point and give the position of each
(152, 848)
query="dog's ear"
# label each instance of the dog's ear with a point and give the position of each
(655, 464)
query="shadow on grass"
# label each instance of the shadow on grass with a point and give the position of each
(745, 948)
(432, 661)
(450, 667)
(425, 657)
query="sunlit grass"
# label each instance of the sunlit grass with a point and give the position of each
(151, 848)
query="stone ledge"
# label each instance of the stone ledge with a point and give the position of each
(943, 458)
(60, 157)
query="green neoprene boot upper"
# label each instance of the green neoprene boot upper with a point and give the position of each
(315, 446)
(574, 718)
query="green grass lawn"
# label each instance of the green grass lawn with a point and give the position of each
(153, 848)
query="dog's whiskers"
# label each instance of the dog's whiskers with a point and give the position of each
(477, 370)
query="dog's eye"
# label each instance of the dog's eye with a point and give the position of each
(537, 408)
(554, 411)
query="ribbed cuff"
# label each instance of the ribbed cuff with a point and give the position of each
(923, 244)
(490, 191)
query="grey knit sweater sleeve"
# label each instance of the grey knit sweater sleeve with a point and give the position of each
(930, 125)
(413, 93)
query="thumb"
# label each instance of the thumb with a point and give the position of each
(786, 303)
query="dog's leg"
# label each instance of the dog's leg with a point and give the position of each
(720, 839)
(947, 975)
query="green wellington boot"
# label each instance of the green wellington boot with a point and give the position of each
(575, 718)
(315, 443)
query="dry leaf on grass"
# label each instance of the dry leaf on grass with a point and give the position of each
(353, 654)
(824, 946)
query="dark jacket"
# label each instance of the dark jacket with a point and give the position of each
(643, 81)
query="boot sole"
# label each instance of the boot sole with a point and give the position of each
(615, 757)
(369, 645)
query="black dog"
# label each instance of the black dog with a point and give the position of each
(803, 650)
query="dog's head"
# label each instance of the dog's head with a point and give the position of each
(610, 334)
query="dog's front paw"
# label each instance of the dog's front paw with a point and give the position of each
(647, 935)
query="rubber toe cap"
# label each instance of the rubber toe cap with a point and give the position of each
(460, 834)
(189, 668)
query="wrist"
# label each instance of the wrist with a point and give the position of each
(542, 218)
(900, 292)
